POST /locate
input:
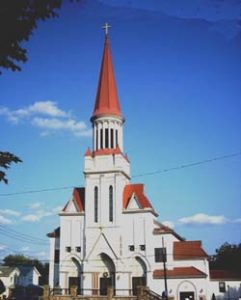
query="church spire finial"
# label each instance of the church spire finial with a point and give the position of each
(106, 28)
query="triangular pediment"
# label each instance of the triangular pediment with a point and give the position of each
(71, 207)
(102, 244)
(133, 202)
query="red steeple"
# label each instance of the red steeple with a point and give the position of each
(107, 102)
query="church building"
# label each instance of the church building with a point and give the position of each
(109, 233)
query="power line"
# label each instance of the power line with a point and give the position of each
(180, 167)
(17, 234)
(39, 191)
(189, 165)
(21, 238)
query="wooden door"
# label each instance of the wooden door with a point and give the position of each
(105, 282)
(137, 281)
(75, 281)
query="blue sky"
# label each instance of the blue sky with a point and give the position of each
(178, 72)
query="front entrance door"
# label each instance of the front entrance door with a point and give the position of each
(137, 281)
(187, 296)
(105, 282)
(75, 281)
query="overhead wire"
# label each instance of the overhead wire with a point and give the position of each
(161, 171)
(23, 235)
(20, 238)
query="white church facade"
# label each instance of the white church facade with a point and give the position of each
(109, 234)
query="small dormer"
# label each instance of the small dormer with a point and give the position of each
(135, 200)
(76, 204)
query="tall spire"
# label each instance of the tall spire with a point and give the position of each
(106, 102)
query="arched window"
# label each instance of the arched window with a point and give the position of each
(111, 203)
(96, 204)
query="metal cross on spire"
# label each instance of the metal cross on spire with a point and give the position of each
(106, 28)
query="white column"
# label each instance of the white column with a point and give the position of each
(109, 135)
(120, 137)
(104, 126)
(94, 137)
(98, 132)
(114, 138)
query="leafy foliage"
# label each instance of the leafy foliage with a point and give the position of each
(6, 158)
(18, 19)
(227, 257)
(21, 260)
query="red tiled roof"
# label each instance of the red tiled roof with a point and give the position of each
(107, 102)
(88, 152)
(138, 190)
(162, 229)
(188, 250)
(78, 198)
(181, 272)
(224, 274)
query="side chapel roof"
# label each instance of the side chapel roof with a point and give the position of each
(138, 191)
(78, 197)
(188, 250)
(179, 272)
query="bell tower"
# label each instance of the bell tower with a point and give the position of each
(107, 119)
(107, 168)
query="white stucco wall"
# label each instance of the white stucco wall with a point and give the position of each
(233, 289)
(10, 281)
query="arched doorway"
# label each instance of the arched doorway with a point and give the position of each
(186, 290)
(75, 275)
(107, 273)
(139, 270)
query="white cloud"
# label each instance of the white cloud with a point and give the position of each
(169, 224)
(2, 247)
(46, 108)
(5, 221)
(35, 205)
(39, 214)
(54, 124)
(31, 218)
(203, 219)
(25, 249)
(57, 209)
(237, 220)
(48, 116)
(9, 212)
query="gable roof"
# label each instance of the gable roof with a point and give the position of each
(6, 271)
(78, 199)
(138, 191)
(185, 250)
(107, 102)
(224, 275)
(163, 229)
(181, 272)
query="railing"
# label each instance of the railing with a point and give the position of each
(150, 295)
(57, 291)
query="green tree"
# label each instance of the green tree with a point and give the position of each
(21, 260)
(227, 257)
(18, 19)
(6, 158)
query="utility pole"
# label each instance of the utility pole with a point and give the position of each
(164, 259)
